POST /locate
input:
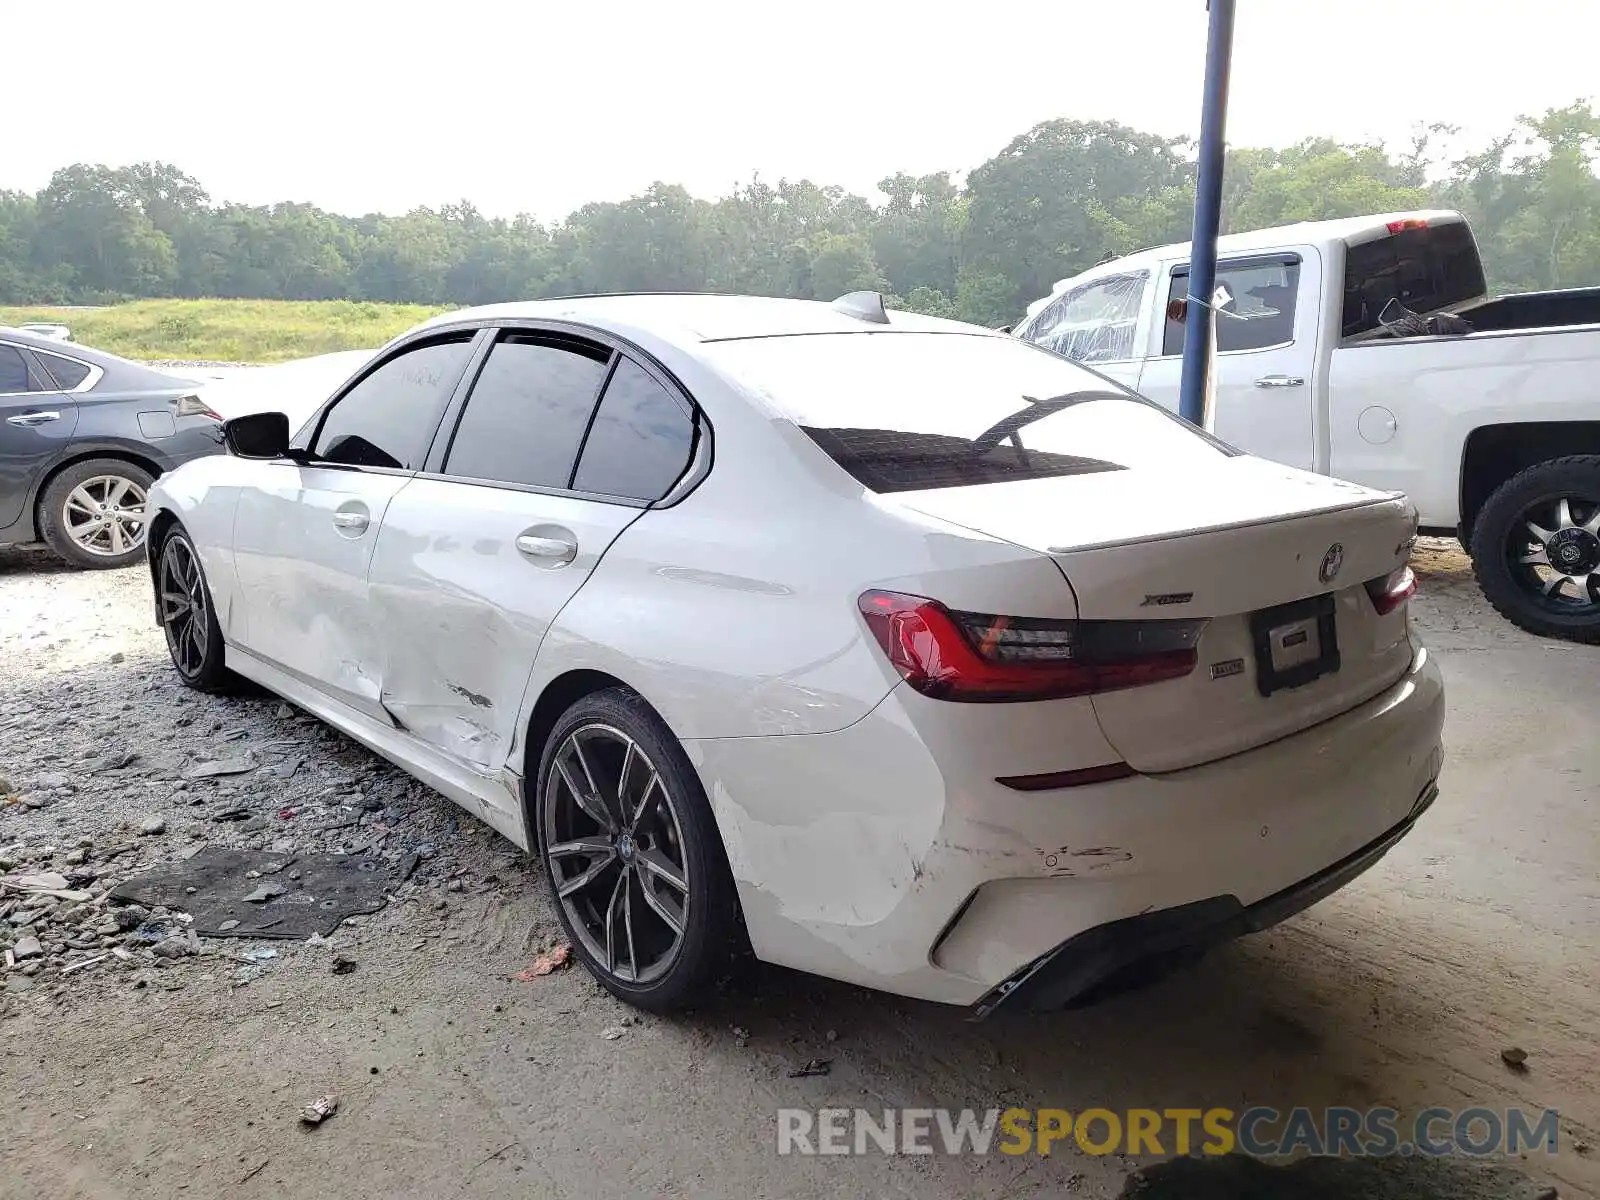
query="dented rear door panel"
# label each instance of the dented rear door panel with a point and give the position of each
(463, 608)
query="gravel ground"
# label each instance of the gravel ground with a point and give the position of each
(145, 1075)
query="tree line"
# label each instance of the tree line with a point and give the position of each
(1059, 198)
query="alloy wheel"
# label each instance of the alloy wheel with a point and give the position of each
(1553, 551)
(614, 842)
(185, 616)
(105, 515)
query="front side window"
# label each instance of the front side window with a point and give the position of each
(388, 419)
(641, 440)
(912, 411)
(13, 370)
(1094, 322)
(527, 413)
(1253, 302)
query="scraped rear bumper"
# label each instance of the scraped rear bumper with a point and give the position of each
(1123, 951)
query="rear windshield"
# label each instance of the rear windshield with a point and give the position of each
(912, 412)
(1428, 269)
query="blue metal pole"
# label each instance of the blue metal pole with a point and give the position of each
(1207, 214)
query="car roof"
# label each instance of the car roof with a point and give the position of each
(120, 374)
(689, 318)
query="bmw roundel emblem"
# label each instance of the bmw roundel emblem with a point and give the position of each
(1331, 562)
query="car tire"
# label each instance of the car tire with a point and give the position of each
(1562, 498)
(660, 824)
(83, 537)
(187, 615)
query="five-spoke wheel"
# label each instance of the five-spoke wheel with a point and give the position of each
(635, 863)
(615, 845)
(183, 603)
(94, 513)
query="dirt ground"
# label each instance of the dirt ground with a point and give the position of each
(157, 1078)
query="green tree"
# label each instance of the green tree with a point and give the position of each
(841, 263)
(1032, 214)
(92, 222)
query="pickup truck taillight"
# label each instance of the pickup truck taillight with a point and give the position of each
(980, 657)
(1392, 590)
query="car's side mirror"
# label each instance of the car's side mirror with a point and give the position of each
(259, 435)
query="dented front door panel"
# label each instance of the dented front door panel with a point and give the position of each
(303, 540)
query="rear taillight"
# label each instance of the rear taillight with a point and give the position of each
(193, 406)
(952, 655)
(1392, 590)
(1408, 223)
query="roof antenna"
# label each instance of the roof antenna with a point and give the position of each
(865, 306)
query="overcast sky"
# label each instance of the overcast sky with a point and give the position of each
(540, 106)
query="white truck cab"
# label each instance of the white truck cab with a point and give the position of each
(1494, 433)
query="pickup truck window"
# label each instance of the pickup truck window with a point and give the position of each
(1255, 301)
(1093, 322)
(1428, 266)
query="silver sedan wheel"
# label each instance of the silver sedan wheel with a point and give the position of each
(185, 616)
(105, 515)
(615, 847)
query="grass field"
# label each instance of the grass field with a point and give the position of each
(249, 331)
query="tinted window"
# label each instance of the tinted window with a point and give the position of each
(1093, 322)
(641, 439)
(388, 419)
(525, 418)
(67, 373)
(13, 370)
(1254, 302)
(1428, 268)
(905, 412)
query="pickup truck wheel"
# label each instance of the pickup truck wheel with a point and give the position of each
(1536, 549)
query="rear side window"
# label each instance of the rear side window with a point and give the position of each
(67, 373)
(389, 418)
(641, 440)
(525, 418)
(13, 370)
(912, 412)
(1094, 322)
(1427, 267)
(1254, 302)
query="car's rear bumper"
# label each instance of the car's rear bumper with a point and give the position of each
(886, 854)
(1125, 950)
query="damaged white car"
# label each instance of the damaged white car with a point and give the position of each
(885, 647)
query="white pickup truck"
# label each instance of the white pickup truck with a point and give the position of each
(1493, 433)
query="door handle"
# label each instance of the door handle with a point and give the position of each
(28, 420)
(353, 521)
(553, 549)
(1280, 381)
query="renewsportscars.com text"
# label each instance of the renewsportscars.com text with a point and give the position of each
(1258, 1131)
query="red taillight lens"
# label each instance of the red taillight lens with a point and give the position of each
(1391, 591)
(1408, 223)
(980, 657)
(193, 406)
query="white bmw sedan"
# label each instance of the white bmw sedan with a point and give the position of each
(883, 647)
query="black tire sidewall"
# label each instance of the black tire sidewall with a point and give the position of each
(712, 931)
(52, 529)
(1491, 530)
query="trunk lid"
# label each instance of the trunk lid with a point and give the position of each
(1277, 559)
